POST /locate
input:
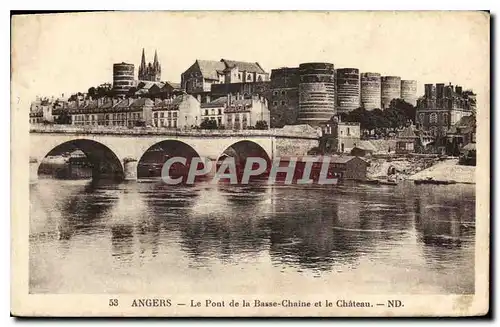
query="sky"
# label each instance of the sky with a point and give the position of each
(66, 53)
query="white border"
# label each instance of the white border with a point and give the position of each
(189, 5)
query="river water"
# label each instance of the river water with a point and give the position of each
(105, 237)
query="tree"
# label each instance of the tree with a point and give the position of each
(104, 90)
(63, 118)
(361, 116)
(92, 92)
(404, 108)
(261, 124)
(380, 119)
(208, 124)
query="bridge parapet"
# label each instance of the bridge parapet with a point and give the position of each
(122, 130)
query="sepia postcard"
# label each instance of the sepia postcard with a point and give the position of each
(250, 164)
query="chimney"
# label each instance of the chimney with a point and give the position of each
(228, 99)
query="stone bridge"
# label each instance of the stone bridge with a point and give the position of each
(119, 149)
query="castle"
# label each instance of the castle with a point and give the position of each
(151, 71)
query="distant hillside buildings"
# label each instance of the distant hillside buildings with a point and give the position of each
(308, 94)
(234, 94)
(351, 90)
(202, 74)
(443, 106)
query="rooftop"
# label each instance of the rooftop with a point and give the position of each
(211, 69)
(408, 132)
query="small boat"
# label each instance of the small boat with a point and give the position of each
(387, 182)
(379, 182)
(432, 181)
(370, 181)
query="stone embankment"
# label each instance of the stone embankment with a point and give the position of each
(398, 167)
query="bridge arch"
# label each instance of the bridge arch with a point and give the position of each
(151, 161)
(98, 158)
(240, 151)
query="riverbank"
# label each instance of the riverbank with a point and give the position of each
(415, 168)
(399, 168)
(448, 170)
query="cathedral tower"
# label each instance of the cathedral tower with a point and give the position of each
(151, 71)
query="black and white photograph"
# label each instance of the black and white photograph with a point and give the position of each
(251, 163)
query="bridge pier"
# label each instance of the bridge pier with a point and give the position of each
(34, 164)
(130, 169)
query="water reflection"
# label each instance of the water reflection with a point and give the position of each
(211, 230)
(141, 228)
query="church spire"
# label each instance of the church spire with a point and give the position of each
(156, 63)
(143, 59)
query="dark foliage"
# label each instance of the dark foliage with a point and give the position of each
(208, 124)
(261, 124)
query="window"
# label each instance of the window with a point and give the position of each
(421, 117)
(220, 111)
(434, 130)
(283, 103)
(283, 92)
(161, 115)
(275, 103)
(249, 77)
(433, 118)
(348, 131)
(175, 123)
(275, 93)
(239, 75)
(445, 118)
